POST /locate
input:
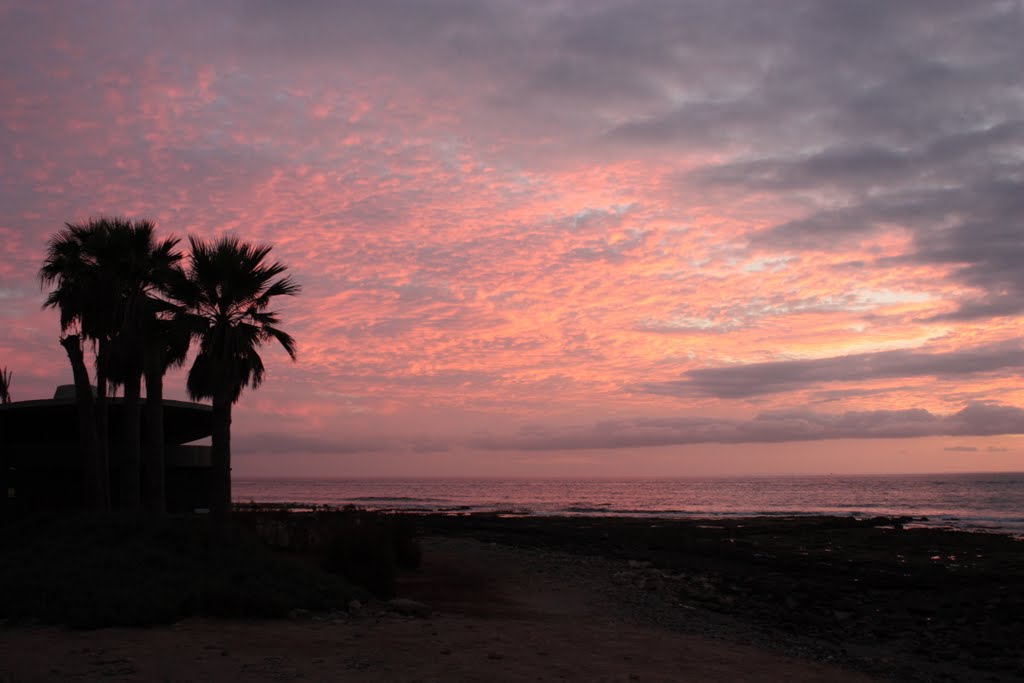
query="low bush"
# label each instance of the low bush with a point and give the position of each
(107, 571)
(367, 548)
(359, 547)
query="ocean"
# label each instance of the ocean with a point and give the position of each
(973, 502)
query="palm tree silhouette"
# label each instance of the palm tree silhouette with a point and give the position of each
(229, 289)
(5, 386)
(72, 264)
(107, 273)
(167, 337)
(142, 267)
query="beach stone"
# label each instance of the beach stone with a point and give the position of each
(652, 581)
(622, 578)
(355, 606)
(410, 608)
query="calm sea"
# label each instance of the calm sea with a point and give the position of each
(989, 502)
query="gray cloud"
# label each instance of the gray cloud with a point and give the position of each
(755, 379)
(876, 116)
(961, 449)
(860, 165)
(976, 229)
(930, 145)
(275, 442)
(830, 395)
(979, 419)
(285, 444)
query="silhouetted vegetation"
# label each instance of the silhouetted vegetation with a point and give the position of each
(5, 386)
(122, 291)
(167, 334)
(368, 548)
(229, 287)
(107, 570)
(109, 277)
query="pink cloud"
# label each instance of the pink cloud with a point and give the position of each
(502, 215)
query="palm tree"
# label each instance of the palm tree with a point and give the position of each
(73, 266)
(143, 266)
(106, 272)
(5, 386)
(167, 342)
(229, 289)
(95, 467)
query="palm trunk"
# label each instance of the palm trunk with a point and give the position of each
(153, 468)
(102, 421)
(131, 470)
(93, 473)
(220, 503)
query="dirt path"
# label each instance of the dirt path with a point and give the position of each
(501, 614)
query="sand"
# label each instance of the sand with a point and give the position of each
(499, 613)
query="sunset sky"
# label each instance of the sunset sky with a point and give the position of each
(570, 237)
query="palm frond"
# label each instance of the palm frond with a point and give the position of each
(231, 285)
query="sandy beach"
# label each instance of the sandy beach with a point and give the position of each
(498, 612)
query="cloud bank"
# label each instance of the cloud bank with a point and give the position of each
(755, 379)
(779, 426)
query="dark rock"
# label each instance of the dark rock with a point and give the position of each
(410, 608)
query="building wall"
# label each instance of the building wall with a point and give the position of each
(49, 477)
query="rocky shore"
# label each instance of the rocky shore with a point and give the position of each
(870, 595)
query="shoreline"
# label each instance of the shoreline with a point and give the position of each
(985, 502)
(937, 521)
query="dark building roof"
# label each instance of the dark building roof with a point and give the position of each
(55, 420)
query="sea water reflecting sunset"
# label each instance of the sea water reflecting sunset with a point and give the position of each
(990, 502)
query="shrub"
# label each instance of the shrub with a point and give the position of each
(107, 571)
(407, 546)
(367, 548)
(360, 548)
(370, 548)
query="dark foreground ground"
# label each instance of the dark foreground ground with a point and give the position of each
(483, 612)
(910, 604)
(521, 599)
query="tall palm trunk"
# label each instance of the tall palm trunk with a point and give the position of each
(93, 471)
(154, 486)
(102, 419)
(131, 462)
(221, 461)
